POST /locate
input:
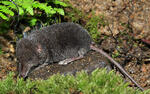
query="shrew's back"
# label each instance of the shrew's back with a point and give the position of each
(62, 40)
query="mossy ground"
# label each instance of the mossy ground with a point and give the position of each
(98, 82)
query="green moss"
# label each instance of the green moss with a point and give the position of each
(99, 82)
(74, 15)
(1, 52)
(93, 26)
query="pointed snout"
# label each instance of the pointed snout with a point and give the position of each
(23, 75)
(23, 71)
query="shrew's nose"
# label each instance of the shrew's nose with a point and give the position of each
(23, 75)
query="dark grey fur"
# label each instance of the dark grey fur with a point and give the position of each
(51, 44)
(56, 43)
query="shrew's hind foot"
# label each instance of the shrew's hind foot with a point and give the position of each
(69, 60)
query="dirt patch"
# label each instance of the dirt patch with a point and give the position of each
(7, 56)
(118, 13)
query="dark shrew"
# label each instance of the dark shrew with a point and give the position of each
(62, 43)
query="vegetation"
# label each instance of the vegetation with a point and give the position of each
(74, 15)
(1, 52)
(93, 26)
(30, 11)
(28, 7)
(99, 82)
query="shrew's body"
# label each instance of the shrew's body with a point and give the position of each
(61, 43)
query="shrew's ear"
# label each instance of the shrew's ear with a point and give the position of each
(39, 48)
